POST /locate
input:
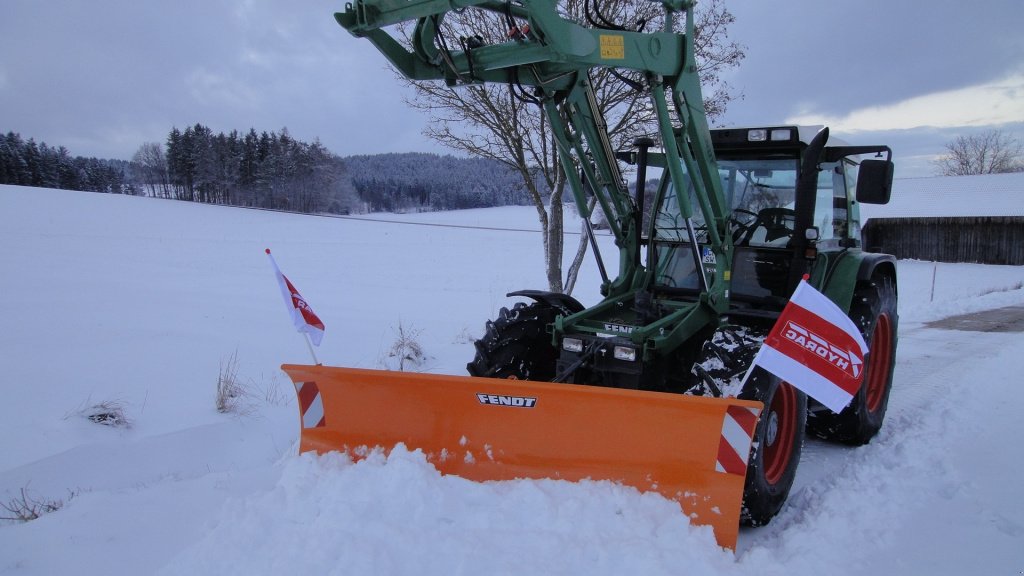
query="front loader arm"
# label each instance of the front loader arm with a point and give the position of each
(554, 56)
(553, 44)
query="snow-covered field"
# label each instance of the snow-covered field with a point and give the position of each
(141, 302)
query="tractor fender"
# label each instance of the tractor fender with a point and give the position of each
(872, 263)
(851, 268)
(563, 302)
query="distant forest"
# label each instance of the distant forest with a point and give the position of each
(417, 181)
(27, 163)
(268, 170)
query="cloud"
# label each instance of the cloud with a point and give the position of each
(989, 104)
(211, 89)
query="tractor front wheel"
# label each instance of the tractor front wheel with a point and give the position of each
(777, 443)
(517, 345)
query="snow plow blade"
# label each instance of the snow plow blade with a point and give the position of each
(692, 450)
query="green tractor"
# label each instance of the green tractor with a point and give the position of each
(694, 306)
(649, 386)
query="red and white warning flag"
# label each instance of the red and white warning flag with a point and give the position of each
(303, 317)
(815, 347)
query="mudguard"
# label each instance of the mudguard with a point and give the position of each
(692, 450)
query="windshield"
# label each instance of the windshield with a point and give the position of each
(761, 196)
(750, 187)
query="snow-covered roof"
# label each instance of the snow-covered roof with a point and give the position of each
(940, 196)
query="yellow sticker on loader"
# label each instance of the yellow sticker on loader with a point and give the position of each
(613, 47)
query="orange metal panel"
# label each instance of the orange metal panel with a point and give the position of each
(488, 429)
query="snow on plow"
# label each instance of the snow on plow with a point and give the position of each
(692, 450)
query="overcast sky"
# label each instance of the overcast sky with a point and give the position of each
(101, 77)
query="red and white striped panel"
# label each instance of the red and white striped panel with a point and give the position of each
(311, 405)
(737, 433)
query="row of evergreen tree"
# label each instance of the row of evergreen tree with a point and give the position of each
(428, 182)
(28, 163)
(268, 170)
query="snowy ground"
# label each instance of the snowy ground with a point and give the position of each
(141, 302)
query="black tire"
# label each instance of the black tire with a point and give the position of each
(517, 345)
(777, 444)
(874, 312)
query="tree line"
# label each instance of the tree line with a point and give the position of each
(264, 170)
(268, 170)
(420, 181)
(28, 163)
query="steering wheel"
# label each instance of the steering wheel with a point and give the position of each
(666, 280)
(740, 229)
(773, 220)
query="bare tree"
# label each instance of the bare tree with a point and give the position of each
(990, 152)
(493, 121)
(152, 164)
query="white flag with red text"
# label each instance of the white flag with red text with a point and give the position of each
(303, 317)
(817, 348)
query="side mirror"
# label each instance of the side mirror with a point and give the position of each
(874, 181)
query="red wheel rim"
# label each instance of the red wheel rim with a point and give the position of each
(780, 427)
(880, 363)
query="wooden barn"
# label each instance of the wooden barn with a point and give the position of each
(950, 219)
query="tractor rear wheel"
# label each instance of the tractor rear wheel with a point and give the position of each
(517, 345)
(777, 444)
(873, 311)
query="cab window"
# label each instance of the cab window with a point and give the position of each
(830, 206)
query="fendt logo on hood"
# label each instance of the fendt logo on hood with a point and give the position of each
(513, 401)
(619, 328)
(846, 360)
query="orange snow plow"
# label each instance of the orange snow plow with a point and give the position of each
(692, 450)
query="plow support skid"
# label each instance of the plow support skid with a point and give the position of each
(692, 450)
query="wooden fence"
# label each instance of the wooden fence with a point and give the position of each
(980, 239)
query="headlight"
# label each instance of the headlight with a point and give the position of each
(625, 353)
(572, 345)
(758, 135)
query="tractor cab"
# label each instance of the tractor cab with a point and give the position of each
(792, 195)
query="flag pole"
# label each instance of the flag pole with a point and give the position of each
(310, 346)
(750, 370)
(753, 363)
